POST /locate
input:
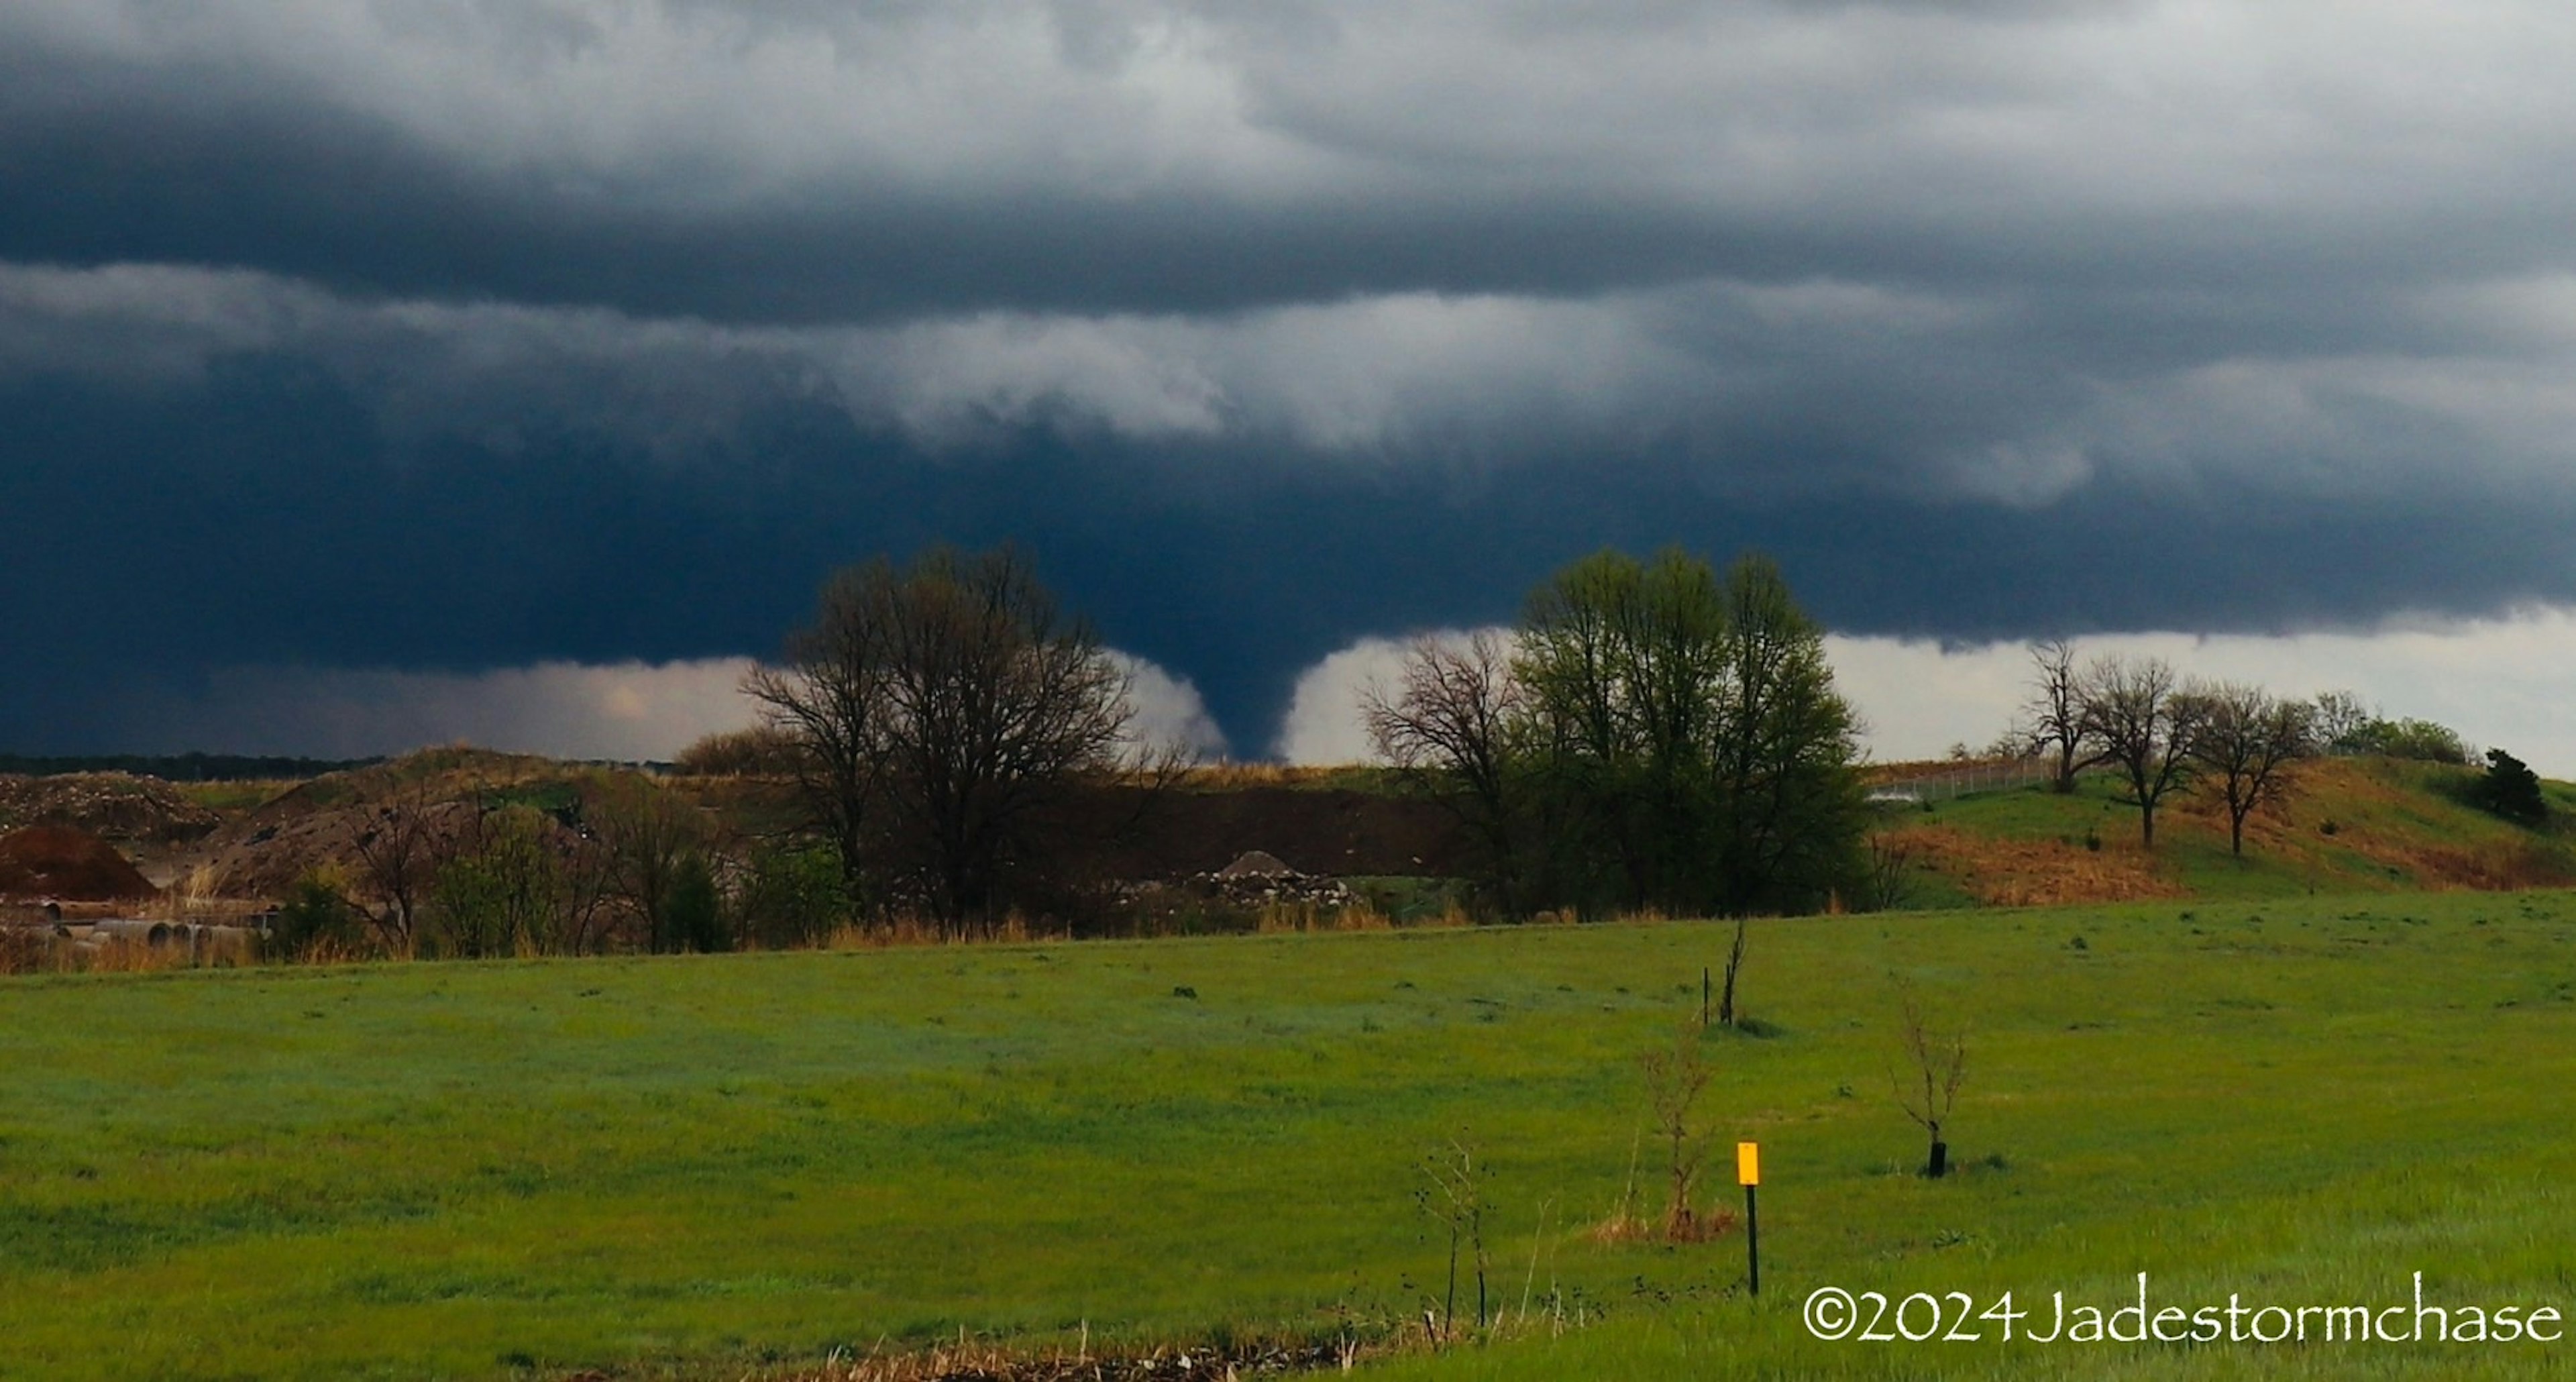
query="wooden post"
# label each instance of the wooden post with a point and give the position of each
(1703, 997)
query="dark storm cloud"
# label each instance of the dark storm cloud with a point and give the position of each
(449, 336)
(815, 163)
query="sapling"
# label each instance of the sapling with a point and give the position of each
(1454, 1195)
(1675, 1078)
(1927, 1088)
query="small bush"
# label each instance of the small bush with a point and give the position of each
(318, 920)
(792, 895)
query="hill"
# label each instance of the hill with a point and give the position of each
(2363, 824)
(2352, 824)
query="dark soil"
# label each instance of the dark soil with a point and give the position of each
(1334, 832)
(56, 861)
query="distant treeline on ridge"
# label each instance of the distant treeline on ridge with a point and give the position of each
(181, 767)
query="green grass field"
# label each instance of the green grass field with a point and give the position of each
(692, 1166)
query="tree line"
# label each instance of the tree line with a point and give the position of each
(2162, 735)
(622, 864)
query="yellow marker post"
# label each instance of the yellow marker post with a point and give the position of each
(1748, 1173)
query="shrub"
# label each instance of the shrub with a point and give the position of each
(692, 916)
(504, 893)
(2422, 740)
(2509, 789)
(318, 920)
(792, 895)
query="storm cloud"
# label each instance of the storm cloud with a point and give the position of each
(440, 340)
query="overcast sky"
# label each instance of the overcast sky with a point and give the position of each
(375, 373)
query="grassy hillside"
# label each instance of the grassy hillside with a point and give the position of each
(2350, 824)
(692, 1165)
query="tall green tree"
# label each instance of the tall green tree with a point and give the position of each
(1681, 741)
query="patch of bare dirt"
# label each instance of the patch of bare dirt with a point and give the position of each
(61, 863)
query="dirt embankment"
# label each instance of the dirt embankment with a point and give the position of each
(1336, 832)
(112, 806)
(58, 863)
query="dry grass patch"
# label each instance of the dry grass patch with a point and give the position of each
(2004, 872)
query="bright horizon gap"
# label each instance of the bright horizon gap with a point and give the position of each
(2498, 681)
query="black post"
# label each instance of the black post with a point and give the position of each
(1703, 996)
(1752, 1244)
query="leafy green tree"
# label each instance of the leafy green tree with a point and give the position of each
(2510, 789)
(1790, 812)
(693, 914)
(1686, 745)
(502, 893)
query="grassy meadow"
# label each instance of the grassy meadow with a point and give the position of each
(701, 1167)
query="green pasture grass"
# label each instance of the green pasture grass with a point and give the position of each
(692, 1166)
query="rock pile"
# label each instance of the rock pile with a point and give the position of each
(1257, 879)
(113, 806)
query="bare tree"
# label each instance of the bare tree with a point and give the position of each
(399, 854)
(2246, 740)
(2131, 709)
(2337, 719)
(829, 699)
(1734, 970)
(943, 710)
(1934, 1065)
(2052, 719)
(646, 834)
(1449, 722)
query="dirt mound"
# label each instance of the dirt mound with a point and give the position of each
(264, 857)
(1256, 864)
(55, 861)
(114, 806)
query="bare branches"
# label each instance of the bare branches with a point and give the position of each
(2052, 719)
(940, 709)
(1453, 1193)
(2130, 708)
(1450, 722)
(2244, 740)
(1932, 1065)
(398, 854)
(1675, 1078)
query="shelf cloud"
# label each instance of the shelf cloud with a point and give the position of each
(431, 341)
